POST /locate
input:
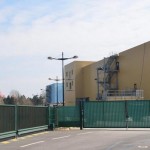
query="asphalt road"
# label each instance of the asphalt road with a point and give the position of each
(87, 139)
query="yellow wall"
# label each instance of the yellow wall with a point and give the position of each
(135, 68)
(89, 76)
(77, 78)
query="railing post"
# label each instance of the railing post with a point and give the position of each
(81, 114)
(16, 120)
(48, 119)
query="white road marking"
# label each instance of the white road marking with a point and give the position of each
(84, 133)
(32, 144)
(61, 137)
(143, 147)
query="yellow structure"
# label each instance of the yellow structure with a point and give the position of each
(74, 80)
(122, 76)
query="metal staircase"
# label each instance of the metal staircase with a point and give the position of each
(105, 74)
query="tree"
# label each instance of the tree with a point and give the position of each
(15, 94)
(37, 100)
(16, 98)
(9, 100)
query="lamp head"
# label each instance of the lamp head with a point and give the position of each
(49, 58)
(75, 57)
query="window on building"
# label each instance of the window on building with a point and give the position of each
(72, 72)
(66, 84)
(72, 83)
(70, 86)
(66, 74)
(117, 65)
(69, 74)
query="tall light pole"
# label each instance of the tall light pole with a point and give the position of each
(63, 78)
(56, 86)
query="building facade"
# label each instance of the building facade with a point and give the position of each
(121, 76)
(54, 93)
(74, 81)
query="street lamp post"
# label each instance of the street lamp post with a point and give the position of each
(63, 78)
(56, 86)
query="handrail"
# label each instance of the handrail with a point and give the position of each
(124, 94)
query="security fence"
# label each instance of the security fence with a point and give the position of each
(117, 114)
(68, 116)
(104, 114)
(138, 114)
(17, 120)
(7, 121)
(30, 118)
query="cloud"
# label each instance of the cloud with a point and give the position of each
(5, 13)
(90, 29)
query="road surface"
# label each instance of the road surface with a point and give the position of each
(87, 139)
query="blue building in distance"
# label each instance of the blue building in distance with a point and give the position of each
(51, 93)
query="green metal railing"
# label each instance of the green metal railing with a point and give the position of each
(16, 120)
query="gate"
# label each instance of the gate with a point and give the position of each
(116, 114)
(138, 114)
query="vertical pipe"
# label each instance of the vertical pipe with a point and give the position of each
(117, 69)
(98, 92)
(104, 80)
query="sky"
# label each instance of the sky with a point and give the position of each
(32, 30)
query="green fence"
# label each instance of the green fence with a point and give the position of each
(68, 116)
(117, 114)
(7, 121)
(104, 114)
(52, 117)
(31, 118)
(138, 114)
(16, 120)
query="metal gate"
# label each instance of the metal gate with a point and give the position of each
(116, 114)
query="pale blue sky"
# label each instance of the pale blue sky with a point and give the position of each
(32, 30)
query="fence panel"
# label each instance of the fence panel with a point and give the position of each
(52, 117)
(7, 121)
(104, 114)
(32, 118)
(96, 114)
(138, 113)
(93, 114)
(114, 114)
(68, 116)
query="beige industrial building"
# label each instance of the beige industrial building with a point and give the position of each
(118, 77)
